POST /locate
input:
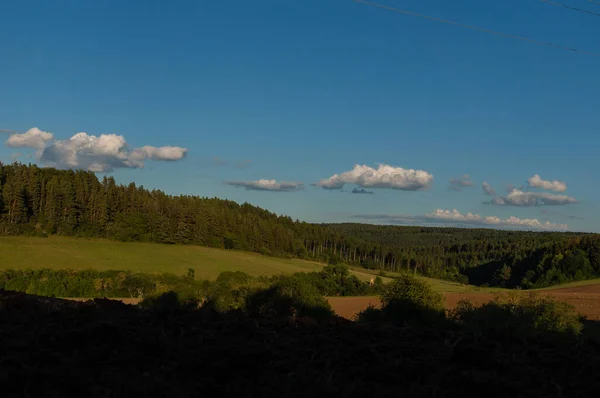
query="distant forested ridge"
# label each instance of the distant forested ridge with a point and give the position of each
(40, 201)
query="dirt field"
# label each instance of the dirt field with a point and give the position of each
(586, 300)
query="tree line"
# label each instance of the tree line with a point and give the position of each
(42, 201)
(229, 290)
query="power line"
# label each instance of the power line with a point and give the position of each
(493, 32)
(554, 3)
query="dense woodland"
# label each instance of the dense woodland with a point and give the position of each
(42, 201)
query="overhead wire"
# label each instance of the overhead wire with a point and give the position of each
(479, 29)
(554, 3)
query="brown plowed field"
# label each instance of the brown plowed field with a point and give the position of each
(586, 300)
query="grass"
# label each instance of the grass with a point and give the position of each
(71, 253)
(571, 284)
(58, 252)
(438, 285)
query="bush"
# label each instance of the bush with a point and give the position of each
(138, 285)
(230, 290)
(165, 303)
(336, 280)
(407, 300)
(409, 288)
(290, 296)
(520, 314)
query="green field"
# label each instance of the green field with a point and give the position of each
(71, 253)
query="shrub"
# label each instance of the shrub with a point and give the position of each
(378, 285)
(407, 300)
(520, 314)
(165, 303)
(336, 280)
(138, 285)
(290, 296)
(417, 291)
(230, 290)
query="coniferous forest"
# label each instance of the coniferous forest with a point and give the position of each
(42, 201)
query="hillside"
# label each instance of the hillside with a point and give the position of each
(66, 253)
(46, 201)
(58, 252)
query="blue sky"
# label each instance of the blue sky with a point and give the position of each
(306, 89)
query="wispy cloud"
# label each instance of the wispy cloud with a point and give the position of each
(362, 191)
(217, 161)
(457, 184)
(559, 214)
(243, 164)
(267, 185)
(487, 189)
(383, 177)
(456, 218)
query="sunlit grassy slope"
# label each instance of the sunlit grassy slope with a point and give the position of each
(437, 284)
(572, 284)
(71, 253)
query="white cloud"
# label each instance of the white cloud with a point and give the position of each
(166, 153)
(457, 184)
(555, 185)
(454, 217)
(15, 155)
(32, 138)
(267, 185)
(521, 198)
(487, 189)
(383, 177)
(97, 154)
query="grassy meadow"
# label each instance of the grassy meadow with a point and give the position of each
(55, 252)
(71, 253)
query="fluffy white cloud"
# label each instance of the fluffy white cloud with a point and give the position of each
(521, 198)
(32, 138)
(97, 154)
(383, 177)
(555, 185)
(454, 217)
(457, 184)
(487, 189)
(267, 185)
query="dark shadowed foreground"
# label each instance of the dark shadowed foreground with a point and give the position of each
(102, 348)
